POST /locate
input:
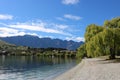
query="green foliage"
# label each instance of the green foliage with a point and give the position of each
(91, 31)
(114, 23)
(81, 53)
(94, 40)
(104, 40)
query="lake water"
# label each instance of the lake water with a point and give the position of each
(33, 68)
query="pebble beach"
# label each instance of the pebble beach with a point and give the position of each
(93, 69)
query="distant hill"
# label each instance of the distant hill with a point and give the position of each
(3, 43)
(36, 42)
(5, 47)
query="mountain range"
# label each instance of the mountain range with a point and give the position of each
(36, 42)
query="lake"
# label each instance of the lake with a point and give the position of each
(33, 67)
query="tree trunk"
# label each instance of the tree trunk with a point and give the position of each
(112, 54)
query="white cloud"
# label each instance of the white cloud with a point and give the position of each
(60, 26)
(33, 34)
(67, 2)
(78, 39)
(18, 28)
(69, 16)
(15, 34)
(60, 18)
(42, 27)
(7, 32)
(72, 17)
(35, 28)
(6, 17)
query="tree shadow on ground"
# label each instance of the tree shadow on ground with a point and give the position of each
(106, 61)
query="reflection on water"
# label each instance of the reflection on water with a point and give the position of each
(33, 68)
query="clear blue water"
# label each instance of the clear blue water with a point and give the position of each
(33, 68)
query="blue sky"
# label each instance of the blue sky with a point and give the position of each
(63, 19)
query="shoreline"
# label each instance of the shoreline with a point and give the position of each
(73, 71)
(92, 69)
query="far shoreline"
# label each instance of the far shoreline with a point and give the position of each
(68, 74)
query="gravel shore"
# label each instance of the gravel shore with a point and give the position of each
(93, 69)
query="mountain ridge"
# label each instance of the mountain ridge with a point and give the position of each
(36, 42)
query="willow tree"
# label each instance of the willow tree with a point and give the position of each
(113, 35)
(91, 36)
(103, 40)
(95, 47)
(117, 41)
(91, 31)
(114, 23)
